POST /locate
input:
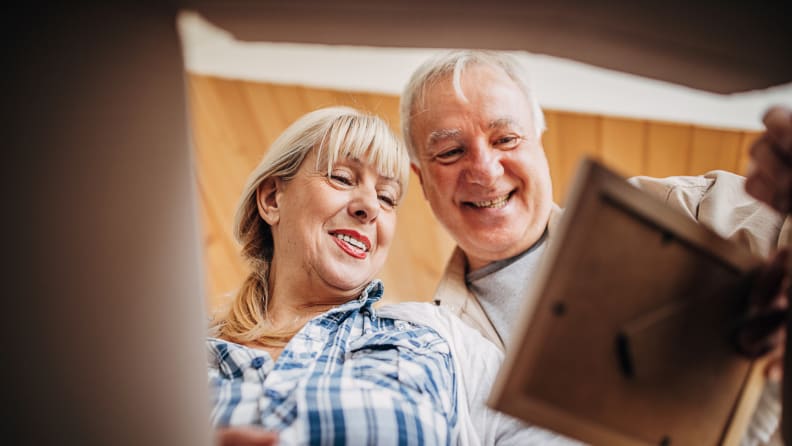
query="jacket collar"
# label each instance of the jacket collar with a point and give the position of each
(453, 294)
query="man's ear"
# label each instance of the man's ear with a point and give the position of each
(267, 199)
(417, 171)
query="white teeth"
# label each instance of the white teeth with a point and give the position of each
(496, 203)
(352, 241)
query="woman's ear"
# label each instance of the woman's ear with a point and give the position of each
(267, 197)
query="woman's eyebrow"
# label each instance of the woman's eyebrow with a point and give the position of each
(389, 180)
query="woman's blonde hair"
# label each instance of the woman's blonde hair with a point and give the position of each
(334, 133)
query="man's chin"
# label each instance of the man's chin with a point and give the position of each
(483, 253)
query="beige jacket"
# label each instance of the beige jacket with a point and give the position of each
(717, 200)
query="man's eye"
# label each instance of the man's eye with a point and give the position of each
(507, 142)
(450, 155)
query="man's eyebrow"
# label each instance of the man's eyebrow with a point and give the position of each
(441, 134)
(504, 123)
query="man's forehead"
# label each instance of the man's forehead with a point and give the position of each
(470, 77)
(444, 96)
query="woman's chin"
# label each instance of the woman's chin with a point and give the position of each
(347, 285)
(347, 280)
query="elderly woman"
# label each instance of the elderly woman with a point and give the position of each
(301, 351)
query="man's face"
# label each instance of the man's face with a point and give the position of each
(481, 164)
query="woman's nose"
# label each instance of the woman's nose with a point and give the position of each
(364, 206)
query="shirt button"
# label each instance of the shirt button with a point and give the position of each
(256, 363)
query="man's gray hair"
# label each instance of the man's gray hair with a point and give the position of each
(453, 63)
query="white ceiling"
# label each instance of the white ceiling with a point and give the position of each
(560, 84)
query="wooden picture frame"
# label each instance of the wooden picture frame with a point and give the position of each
(626, 340)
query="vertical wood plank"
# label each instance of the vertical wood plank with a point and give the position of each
(316, 98)
(347, 98)
(746, 140)
(266, 113)
(713, 149)
(578, 137)
(553, 152)
(214, 166)
(668, 148)
(623, 145)
(289, 102)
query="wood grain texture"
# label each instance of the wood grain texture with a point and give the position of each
(622, 142)
(714, 149)
(234, 121)
(668, 149)
(578, 136)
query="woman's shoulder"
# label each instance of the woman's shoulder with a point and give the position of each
(391, 327)
(415, 314)
(462, 337)
(425, 314)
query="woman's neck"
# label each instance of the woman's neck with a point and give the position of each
(283, 314)
(292, 306)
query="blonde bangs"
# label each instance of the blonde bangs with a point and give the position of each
(366, 138)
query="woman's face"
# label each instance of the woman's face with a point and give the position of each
(332, 232)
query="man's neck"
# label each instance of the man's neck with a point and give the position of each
(474, 263)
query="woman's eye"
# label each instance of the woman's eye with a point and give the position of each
(342, 179)
(388, 200)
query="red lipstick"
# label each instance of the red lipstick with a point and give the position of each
(348, 247)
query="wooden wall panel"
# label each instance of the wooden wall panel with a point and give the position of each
(234, 122)
(217, 184)
(268, 117)
(623, 142)
(714, 149)
(288, 100)
(667, 149)
(747, 138)
(552, 146)
(578, 136)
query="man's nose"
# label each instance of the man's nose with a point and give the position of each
(484, 165)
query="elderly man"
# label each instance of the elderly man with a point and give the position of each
(474, 131)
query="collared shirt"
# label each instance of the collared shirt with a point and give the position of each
(347, 377)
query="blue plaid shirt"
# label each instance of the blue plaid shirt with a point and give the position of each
(347, 377)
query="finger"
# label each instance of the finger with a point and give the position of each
(774, 369)
(761, 334)
(778, 121)
(761, 187)
(772, 161)
(767, 286)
